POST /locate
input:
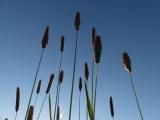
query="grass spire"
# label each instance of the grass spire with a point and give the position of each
(47, 92)
(44, 44)
(97, 57)
(127, 64)
(77, 26)
(62, 41)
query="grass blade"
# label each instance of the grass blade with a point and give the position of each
(89, 105)
(50, 107)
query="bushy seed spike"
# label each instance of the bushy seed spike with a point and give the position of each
(38, 87)
(17, 99)
(45, 37)
(80, 84)
(86, 71)
(60, 78)
(93, 35)
(50, 83)
(111, 106)
(30, 113)
(62, 43)
(97, 49)
(126, 61)
(77, 21)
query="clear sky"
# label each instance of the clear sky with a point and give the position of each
(124, 25)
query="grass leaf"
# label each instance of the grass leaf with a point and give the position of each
(50, 108)
(89, 105)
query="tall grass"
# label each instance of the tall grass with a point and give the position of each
(50, 106)
(37, 92)
(60, 63)
(127, 64)
(86, 74)
(97, 57)
(92, 74)
(44, 44)
(77, 26)
(89, 105)
(47, 92)
(60, 80)
(90, 100)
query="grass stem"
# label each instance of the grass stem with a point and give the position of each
(135, 95)
(95, 92)
(73, 77)
(35, 78)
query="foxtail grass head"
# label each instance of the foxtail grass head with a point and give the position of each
(60, 77)
(50, 83)
(111, 106)
(126, 62)
(97, 49)
(45, 37)
(62, 43)
(17, 99)
(86, 71)
(30, 113)
(93, 35)
(80, 84)
(38, 87)
(77, 21)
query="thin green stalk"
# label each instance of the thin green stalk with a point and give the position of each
(42, 107)
(95, 92)
(134, 91)
(55, 107)
(113, 118)
(50, 107)
(92, 80)
(86, 105)
(34, 83)
(73, 77)
(86, 112)
(80, 105)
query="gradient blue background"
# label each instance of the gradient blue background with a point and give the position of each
(124, 25)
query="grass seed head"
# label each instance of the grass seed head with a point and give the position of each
(45, 37)
(126, 61)
(111, 106)
(50, 83)
(86, 71)
(77, 21)
(97, 49)
(80, 84)
(30, 113)
(62, 43)
(17, 99)
(93, 35)
(60, 77)
(38, 87)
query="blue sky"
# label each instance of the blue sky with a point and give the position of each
(126, 25)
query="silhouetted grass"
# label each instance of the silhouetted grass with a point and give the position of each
(127, 64)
